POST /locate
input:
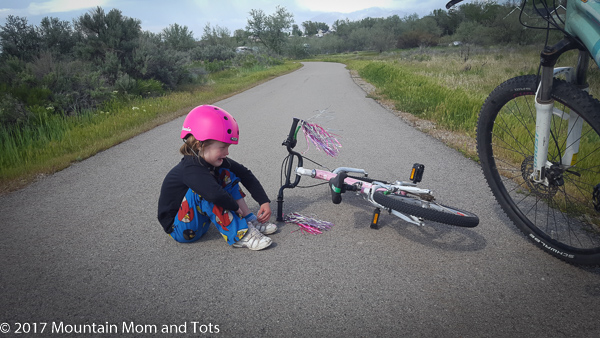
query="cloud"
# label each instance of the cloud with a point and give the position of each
(342, 6)
(61, 6)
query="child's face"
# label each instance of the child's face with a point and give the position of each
(216, 152)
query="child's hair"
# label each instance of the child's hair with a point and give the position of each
(191, 146)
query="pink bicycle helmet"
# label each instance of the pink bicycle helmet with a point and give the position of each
(211, 122)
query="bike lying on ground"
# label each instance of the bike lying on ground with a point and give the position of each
(538, 139)
(401, 199)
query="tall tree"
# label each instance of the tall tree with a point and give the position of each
(216, 35)
(179, 38)
(56, 37)
(19, 39)
(312, 28)
(109, 40)
(271, 30)
(296, 30)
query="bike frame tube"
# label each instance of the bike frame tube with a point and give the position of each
(365, 187)
(582, 20)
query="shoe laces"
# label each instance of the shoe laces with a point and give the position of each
(254, 235)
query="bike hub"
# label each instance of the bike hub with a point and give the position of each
(552, 174)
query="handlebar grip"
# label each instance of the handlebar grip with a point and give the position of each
(291, 139)
(338, 187)
(452, 3)
(336, 197)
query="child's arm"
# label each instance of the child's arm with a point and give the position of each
(203, 183)
(250, 182)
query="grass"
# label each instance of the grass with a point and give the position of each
(444, 85)
(448, 85)
(53, 142)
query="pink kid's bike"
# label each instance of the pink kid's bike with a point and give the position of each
(402, 199)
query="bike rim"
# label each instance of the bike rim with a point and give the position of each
(561, 214)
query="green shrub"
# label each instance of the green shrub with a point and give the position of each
(12, 111)
(144, 88)
(217, 66)
(245, 60)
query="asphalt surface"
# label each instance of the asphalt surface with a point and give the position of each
(82, 249)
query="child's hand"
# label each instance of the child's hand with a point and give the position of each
(264, 213)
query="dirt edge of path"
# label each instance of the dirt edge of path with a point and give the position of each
(461, 142)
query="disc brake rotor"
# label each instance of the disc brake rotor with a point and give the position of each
(539, 189)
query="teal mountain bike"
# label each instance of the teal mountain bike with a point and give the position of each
(538, 139)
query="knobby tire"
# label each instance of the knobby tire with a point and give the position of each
(560, 218)
(427, 210)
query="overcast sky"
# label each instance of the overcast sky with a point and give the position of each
(195, 14)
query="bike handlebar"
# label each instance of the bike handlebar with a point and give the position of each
(289, 143)
(452, 3)
(291, 140)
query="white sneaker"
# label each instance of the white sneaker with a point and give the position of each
(264, 228)
(253, 240)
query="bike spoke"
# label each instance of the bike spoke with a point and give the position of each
(558, 209)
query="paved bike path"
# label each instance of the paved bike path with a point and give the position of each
(83, 247)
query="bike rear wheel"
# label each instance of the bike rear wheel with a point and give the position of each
(561, 217)
(430, 210)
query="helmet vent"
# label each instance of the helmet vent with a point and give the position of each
(225, 117)
(228, 131)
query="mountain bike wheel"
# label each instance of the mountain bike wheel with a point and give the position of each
(563, 216)
(432, 211)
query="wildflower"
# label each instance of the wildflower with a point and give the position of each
(135, 108)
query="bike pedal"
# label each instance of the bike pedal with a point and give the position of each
(416, 174)
(375, 219)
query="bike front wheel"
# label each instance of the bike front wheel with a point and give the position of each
(562, 216)
(430, 210)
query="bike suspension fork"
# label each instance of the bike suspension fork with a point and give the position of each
(544, 105)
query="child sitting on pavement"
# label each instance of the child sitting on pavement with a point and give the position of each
(203, 188)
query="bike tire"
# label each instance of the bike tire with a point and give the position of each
(561, 217)
(432, 211)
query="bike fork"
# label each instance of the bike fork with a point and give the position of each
(543, 121)
(545, 109)
(543, 137)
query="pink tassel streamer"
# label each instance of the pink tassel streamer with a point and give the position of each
(321, 138)
(308, 224)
